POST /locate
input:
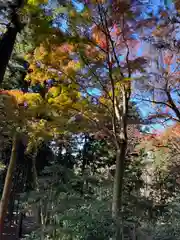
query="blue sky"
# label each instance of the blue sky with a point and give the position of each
(79, 6)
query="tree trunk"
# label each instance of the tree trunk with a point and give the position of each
(34, 171)
(6, 48)
(8, 184)
(118, 181)
(8, 40)
(37, 207)
(20, 222)
(118, 188)
(120, 114)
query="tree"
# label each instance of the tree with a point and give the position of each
(8, 39)
(110, 110)
(115, 85)
(8, 184)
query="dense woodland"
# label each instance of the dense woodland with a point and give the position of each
(89, 120)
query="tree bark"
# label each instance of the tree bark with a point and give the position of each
(118, 189)
(118, 181)
(8, 40)
(8, 184)
(121, 114)
(6, 48)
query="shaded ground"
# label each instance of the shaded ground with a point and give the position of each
(11, 231)
(29, 225)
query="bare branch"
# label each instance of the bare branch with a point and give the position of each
(107, 33)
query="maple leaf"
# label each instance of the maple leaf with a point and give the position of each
(99, 36)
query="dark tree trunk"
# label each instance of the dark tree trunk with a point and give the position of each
(6, 48)
(8, 40)
(8, 185)
(20, 225)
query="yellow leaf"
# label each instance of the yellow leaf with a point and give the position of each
(36, 2)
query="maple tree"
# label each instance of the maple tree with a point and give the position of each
(23, 115)
(30, 108)
(112, 77)
(92, 62)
